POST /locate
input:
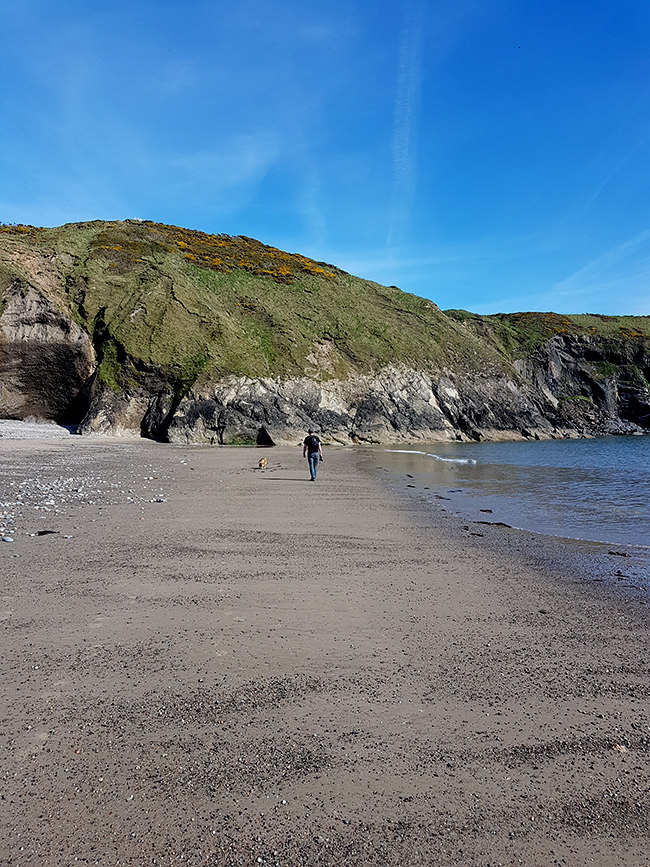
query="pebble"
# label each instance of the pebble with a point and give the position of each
(20, 430)
(54, 494)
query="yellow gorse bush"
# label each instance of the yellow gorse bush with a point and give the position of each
(226, 253)
(18, 228)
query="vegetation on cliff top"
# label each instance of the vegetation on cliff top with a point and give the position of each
(515, 333)
(199, 307)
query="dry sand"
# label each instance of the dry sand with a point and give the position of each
(254, 669)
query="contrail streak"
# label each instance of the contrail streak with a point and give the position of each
(409, 81)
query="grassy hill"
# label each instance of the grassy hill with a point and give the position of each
(172, 312)
(514, 333)
(204, 306)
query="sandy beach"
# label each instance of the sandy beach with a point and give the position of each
(205, 663)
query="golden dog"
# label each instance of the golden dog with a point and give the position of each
(262, 464)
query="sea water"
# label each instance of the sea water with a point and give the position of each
(592, 489)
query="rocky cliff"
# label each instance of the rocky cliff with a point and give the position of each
(187, 337)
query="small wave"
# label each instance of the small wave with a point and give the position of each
(430, 455)
(452, 460)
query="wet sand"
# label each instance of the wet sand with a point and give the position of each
(229, 666)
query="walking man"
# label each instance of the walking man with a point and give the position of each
(311, 446)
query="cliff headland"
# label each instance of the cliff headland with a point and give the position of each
(186, 337)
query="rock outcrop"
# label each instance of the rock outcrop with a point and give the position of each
(189, 338)
(399, 404)
(46, 359)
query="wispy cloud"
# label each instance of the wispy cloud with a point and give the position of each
(625, 266)
(586, 202)
(235, 161)
(225, 178)
(407, 101)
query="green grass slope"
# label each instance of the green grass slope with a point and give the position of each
(515, 334)
(200, 307)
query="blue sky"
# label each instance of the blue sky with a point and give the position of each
(492, 155)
